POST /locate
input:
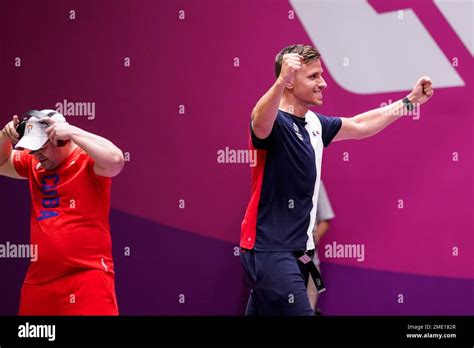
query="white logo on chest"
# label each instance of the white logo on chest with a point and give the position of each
(297, 131)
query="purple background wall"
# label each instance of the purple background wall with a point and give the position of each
(173, 156)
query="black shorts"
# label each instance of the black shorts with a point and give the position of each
(278, 282)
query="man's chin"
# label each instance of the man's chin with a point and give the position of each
(317, 102)
(46, 165)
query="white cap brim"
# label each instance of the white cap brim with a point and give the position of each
(32, 143)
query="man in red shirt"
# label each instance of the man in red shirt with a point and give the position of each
(69, 172)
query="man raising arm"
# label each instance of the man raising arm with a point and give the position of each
(277, 229)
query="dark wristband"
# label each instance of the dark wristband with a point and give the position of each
(408, 104)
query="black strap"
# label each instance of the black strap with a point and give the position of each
(35, 113)
(408, 104)
(310, 267)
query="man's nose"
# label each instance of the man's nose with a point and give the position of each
(322, 84)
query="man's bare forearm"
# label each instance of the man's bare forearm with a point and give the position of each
(375, 120)
(102, 151)
(265, 112)
(320, 230)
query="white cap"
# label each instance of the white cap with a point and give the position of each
(35, 131)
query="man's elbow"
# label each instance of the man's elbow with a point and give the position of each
(261, 130)
(116, 164)
(260, 133)
(119, 161)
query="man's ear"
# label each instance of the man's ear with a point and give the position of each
(289, 85)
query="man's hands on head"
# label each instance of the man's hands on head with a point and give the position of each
(58, 131)
(422, 91)
(9, 130)
(290, 65)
